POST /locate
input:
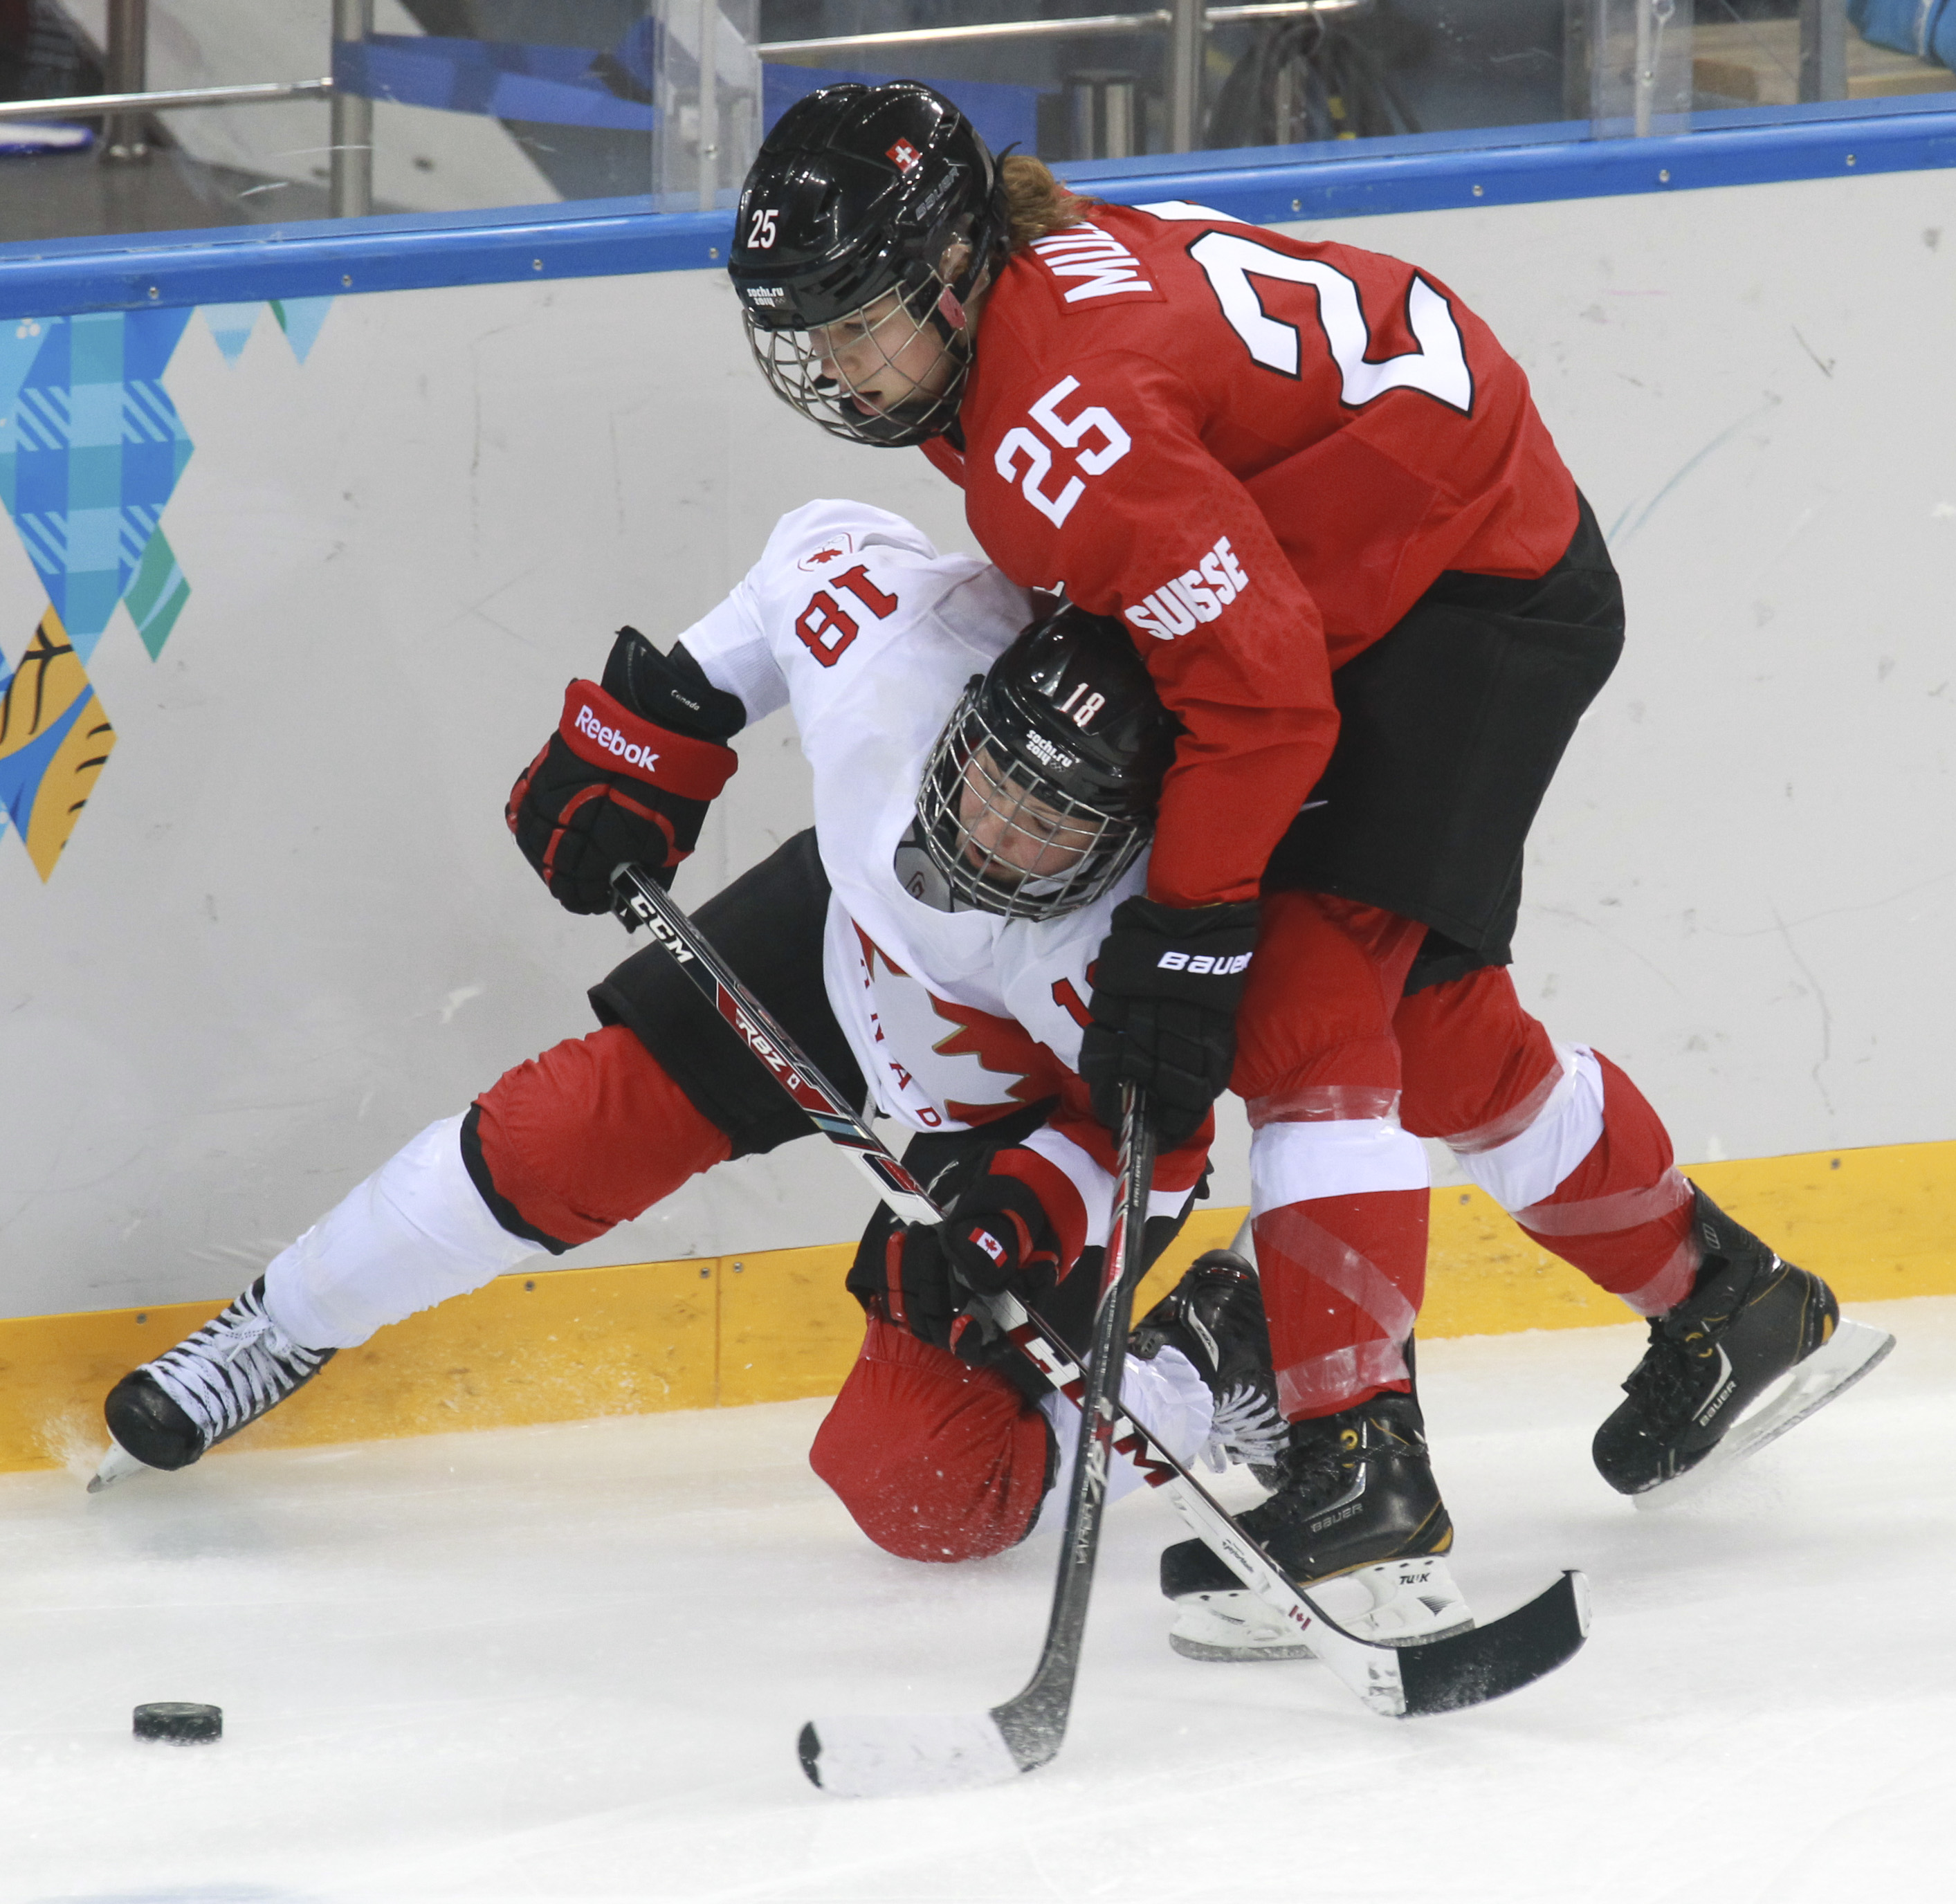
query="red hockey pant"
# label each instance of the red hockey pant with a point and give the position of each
(1342, 1075)
(933, 1460)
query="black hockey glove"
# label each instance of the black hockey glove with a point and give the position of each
(996, 1236)
(1166, 989)
(628, 775)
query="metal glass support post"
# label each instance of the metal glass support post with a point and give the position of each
(709, 103)
(1643, 83)
(128, 64)
(1579, 84)
(1823, 49)
(1187, 45)
(350, 188)
(1654, 17)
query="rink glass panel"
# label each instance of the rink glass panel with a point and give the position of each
(485, 104)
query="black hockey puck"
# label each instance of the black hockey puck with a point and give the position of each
(180, 1722)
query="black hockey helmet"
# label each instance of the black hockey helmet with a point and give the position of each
(1042, 788)
(859, 191)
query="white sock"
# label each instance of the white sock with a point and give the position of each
(1165, 1395)
(414, 1234)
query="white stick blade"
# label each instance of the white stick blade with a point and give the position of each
(875, 1758)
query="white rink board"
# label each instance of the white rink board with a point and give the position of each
(567, 1665)
(291, 928)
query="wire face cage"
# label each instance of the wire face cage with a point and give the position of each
(1000, 828)
(896, 343)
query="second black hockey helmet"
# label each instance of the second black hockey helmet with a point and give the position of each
(1042, 788)
(859, 192)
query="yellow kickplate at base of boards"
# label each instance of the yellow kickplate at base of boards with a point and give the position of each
(1872, 1223)
(777, 1325)
(560, 1346)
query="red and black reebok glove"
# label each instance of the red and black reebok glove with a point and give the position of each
(628, 774)
(997, 1237)
(1166, 989)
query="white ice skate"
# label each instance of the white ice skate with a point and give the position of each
(1395, 1602)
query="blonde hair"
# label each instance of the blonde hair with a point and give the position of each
(1038, 203)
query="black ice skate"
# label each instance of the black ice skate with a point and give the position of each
(1750, 1320)
(170, 1412)
(1356, 1508)
(1215, 1316)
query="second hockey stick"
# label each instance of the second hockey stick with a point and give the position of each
(1439, 1675)
(873, 1755)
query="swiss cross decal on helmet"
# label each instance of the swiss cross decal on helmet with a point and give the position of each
(845, 261)
(1041, 790)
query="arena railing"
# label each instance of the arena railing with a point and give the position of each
(1627, 64)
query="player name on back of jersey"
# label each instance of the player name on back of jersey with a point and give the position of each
(1084, 251)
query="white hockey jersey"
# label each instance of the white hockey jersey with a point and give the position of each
(855, 622)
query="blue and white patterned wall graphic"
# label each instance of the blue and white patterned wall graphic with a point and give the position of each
(91, 448)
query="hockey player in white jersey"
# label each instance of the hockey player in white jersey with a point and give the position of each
(985, 768)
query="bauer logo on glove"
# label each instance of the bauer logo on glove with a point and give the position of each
(1154, 1025)
(1195, 966)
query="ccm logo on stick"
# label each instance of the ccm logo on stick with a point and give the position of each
(1215, 968)
(613, 742)
(1197, 594)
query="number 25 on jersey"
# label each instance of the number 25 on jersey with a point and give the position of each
(1019, 445)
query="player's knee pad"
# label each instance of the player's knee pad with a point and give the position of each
(588, 1135)
(934, 1460)
(1318, 1011)
(1476, 1069)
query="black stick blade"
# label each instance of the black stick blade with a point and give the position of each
(1469, 1668)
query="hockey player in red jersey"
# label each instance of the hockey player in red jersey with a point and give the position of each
(984, 798)
(1315, 490)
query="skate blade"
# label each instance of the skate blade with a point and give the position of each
(1847, 1355)
(117, 1465)
(1231, 1626)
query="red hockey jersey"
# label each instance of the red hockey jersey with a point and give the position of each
(1259, 452)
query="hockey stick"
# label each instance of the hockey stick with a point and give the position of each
(1438, 1675)
(871, 1756)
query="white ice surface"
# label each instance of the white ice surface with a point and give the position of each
(570, 1663)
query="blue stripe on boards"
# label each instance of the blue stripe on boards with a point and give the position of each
(609, 237)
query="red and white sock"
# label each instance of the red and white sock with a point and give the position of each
(1339, 1212)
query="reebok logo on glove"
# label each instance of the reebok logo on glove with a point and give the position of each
(631, 752)
(604, 733)
(609, 786)
(1220, 968)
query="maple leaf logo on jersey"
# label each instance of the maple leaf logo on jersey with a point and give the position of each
(903, 155)
(938, 1052)
(842, 544)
